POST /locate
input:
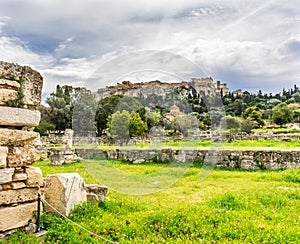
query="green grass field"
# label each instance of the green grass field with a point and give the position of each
(225, 207)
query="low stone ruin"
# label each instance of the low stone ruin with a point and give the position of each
(63, 191)
(20, 95)
(60, 156)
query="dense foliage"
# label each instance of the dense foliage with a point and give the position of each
(245, 111)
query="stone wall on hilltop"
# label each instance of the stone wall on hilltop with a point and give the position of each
(145, 89)
(20, 96)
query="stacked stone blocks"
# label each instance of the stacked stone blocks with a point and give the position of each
(20, 95)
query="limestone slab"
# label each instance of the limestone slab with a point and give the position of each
(64, 191)
(18, 196)
(18, 185)
(18, 216)
(3, 156)
(7, 95)
(19, 177)
(9, 84)
(6, 175)
(19, 117)
(21, 156)
(34, 177)
(13, 137)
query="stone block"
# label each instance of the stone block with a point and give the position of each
(18, 196)
(21, 156)
(6, 175)
(32, 87)
(7, 95)
(9, 84)
(63, 192)
(16, 217)
(34, 177)
(32, 82)
(11, 137)
(19, 177)
(6, 186)
(18, 185)
(57, 159)
(3, 156)
(92, 197)
(99, 191)
(19, 117)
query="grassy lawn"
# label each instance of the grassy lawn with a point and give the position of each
(225, 207)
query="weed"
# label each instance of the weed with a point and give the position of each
(227, 201)
(291, 175)
(18, 101)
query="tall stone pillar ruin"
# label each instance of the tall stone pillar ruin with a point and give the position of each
(20, 96)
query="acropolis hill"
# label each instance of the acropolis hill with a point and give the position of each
(206, 85)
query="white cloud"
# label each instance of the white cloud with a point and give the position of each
(248, 44)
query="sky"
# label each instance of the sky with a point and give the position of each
(253, 45)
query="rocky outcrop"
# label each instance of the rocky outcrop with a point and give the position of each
(144, 89)
(20, 94)
(201, 85)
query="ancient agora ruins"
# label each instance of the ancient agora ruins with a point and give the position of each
(143, 128)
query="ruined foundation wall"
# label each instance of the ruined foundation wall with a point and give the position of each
(245, 159)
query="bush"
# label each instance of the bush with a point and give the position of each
(43, 127)
(247, 125)
(230, 122)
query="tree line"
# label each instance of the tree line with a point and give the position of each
(69, 107)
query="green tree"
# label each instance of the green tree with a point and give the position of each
(281, 114)
(60, 107)
(231, 123)
(83, 121)
(129, 104)
(105, 108)
(43, 127)
(187, 124)
(296, 97)
(253, 113)
(118, 124)
(153, 119)
(248, 124)
(137, 126)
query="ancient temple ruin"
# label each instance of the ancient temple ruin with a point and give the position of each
(20, 96)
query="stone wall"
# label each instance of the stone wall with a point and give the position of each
(20, 94)
(245, 159)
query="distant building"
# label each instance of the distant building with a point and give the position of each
(208, 86)
(174, 111)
